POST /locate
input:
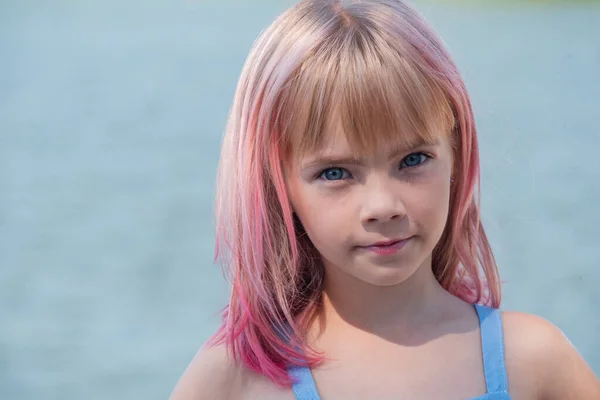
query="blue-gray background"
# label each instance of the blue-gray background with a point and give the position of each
(111, 115)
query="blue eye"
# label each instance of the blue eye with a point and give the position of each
(414, 160)
(334, 174)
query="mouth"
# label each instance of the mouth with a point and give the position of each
(387, 247)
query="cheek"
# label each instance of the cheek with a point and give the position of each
(324, 220)
(433, 206)
(427, 200)
(302, 202)
(323, 233)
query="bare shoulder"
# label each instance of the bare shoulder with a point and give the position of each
(211, 375)
(542, 363)
(214, 374)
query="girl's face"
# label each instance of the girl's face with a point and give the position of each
(351, 207)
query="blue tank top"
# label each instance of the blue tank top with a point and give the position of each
(492, 340)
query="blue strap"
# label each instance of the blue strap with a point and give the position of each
(304, 384)
(492, 346)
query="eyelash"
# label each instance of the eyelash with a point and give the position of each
(427, 158)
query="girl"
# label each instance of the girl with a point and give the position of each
(349, 226)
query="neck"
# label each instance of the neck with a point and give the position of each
(400, 311)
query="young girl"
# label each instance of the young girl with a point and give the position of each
(349, 226)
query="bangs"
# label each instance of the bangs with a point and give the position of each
(380, 98)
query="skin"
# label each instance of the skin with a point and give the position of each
(395, 194)
(387, 327)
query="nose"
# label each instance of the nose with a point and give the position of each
(381, 203)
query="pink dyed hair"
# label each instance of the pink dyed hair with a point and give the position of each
(380, 69)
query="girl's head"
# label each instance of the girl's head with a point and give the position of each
(350, 125)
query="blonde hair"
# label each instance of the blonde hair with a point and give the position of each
(379, 68)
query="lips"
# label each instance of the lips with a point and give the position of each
(386, 248)
(385, 243)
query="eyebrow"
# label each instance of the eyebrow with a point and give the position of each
(341, 160)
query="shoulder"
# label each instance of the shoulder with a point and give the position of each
(211, 375)
(542, 363)
(214, 374)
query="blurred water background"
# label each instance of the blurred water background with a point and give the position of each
(111, 115)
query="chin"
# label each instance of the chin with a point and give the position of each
(386, 276)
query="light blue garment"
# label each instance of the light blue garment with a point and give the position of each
(492, 340)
